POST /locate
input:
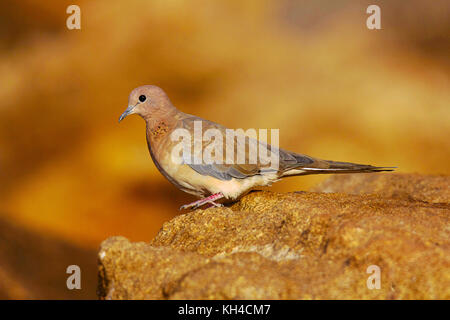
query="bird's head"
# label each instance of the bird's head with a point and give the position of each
(146, 101)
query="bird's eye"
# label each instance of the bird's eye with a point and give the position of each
(142, 98)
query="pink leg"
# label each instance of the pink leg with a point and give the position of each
(207, 200)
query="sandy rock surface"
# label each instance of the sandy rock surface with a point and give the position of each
(300, 245)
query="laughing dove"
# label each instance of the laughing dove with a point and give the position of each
(217, 178)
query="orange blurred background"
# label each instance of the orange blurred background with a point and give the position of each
(335, 89)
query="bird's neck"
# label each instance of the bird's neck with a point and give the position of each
(159, 127)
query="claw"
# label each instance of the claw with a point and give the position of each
(218, 205)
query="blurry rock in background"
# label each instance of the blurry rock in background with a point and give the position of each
(33, 266)
(334, 88)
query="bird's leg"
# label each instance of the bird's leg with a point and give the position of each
(208, 200)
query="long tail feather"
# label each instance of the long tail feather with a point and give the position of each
(327, 167)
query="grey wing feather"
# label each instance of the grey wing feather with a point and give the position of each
(222, 171)
(215, 171)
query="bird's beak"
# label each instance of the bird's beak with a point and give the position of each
(127, 112)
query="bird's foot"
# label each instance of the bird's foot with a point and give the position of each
(208, 200)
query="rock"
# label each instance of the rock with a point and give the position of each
(429, 188)
(301, 245)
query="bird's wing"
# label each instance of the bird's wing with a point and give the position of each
(219, 167)
(248, 165)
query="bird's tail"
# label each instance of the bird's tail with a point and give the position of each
(328, 166)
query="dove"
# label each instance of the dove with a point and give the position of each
(217, 181)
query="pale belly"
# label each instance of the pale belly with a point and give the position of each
(190, 181)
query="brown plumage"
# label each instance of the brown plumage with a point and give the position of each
(216, 180)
